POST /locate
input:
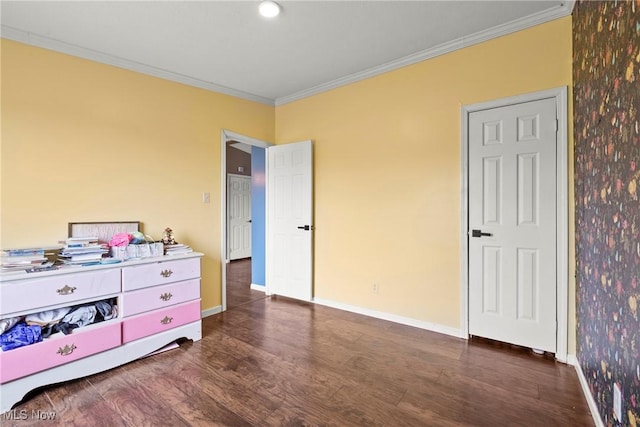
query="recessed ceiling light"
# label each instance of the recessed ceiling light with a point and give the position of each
(269, 9)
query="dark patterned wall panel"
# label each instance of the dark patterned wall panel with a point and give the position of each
(606, 64)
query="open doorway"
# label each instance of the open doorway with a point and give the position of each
(243, 219)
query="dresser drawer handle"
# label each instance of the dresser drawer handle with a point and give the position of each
(66, 350)
(66, 290)
(166, 273)
(166, 320)
(166, 296)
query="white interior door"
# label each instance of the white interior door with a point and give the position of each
(239, 216)
(289, 220)
(512, 221)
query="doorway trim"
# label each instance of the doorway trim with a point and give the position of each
(562, 209)
(227, 136)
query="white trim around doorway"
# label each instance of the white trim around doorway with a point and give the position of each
(562, 209)
(226, 137)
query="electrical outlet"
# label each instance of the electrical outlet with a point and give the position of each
(375, 288)
(206, 198)
(617, 402)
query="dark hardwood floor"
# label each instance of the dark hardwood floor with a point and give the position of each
(239, 283)
(274, 361)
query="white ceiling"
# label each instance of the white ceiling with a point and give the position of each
(227, 47)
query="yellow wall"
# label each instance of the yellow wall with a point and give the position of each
(83, 141)
(387, 170)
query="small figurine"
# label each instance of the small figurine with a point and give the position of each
(167, 237)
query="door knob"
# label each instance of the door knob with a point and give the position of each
(305, 227)
(478, 233)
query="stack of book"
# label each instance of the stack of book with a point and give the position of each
(177, 249)
(22, 259)
(82, 250)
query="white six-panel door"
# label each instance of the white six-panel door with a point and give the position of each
(239, 216)
(512, 208)
(289, 215)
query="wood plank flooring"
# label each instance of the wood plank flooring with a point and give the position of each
(239, 283)
(275, 361)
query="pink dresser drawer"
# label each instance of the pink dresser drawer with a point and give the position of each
(59, 350)
(32, 294)
(158, 273)
(143, 325)
(147, 299)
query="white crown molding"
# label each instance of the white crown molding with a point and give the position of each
(93, 55)
(560, 11)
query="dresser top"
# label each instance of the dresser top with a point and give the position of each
(69, 269)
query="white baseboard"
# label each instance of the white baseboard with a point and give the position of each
(211, 311)
(260, 288)
(447, 330)
(593, 407)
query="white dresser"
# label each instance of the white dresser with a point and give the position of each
(158, 301)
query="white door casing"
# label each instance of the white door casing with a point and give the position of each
(512, 197)
(290, 220)
(227, 136)
(239, 216)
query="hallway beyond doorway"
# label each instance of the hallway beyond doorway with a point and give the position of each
(239, 284)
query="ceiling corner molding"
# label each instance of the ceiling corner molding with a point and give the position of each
(560, 11)
(77, 51)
